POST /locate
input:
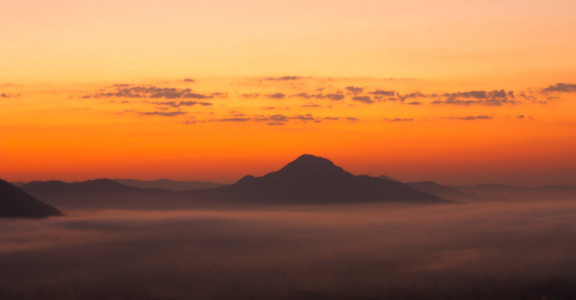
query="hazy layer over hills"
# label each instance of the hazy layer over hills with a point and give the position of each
(15, 203)
(307, 180)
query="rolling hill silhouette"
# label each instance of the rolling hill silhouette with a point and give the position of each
(315, 180)
(101, 194)
(495, 191)
(15, 203)
(167, 184)
(94, 186)
(441, 191)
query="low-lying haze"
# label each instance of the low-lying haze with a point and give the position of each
(494, 250)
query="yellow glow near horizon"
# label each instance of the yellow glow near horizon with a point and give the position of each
(54, 53)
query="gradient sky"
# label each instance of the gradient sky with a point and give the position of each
(452, 91)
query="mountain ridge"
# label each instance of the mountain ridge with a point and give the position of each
(313, 179)
(16, 203)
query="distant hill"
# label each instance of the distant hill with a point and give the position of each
(102, 194)
(93, 186)
(17, 183)
(496, 191)
(15, 203)
(315, 180)
(441, 191)
(171, 185)
(384, 177)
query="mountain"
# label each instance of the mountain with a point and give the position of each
(384, 177)
(102, 194)
(495, 191)
(93, 186)
(17, 183)
(441, 191)
(15, 203)
(315, 180)
(171, 185)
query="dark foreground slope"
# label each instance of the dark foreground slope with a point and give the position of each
(315, 180)
(15, 203)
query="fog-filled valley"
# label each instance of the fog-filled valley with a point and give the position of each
(466, 250)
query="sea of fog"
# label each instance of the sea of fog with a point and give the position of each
(495, 250)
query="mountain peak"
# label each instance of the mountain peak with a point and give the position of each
(316, 179)
(310, 163)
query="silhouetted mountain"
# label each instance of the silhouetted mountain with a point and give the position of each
(102, 194)
(171, 185)
(17, 183)
(496, 191)
(92, 186)
(384, 177)
(441, 191)
(315, 180)
(15, 203)
(558, 188)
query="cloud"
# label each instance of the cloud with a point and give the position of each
(523, 117)
(181, 103)
(414, 103)
(306, 118)
(527, 96)
(279, 118)
(253, 95)
(274, 120)
(197, 96)
(188, 80)
(467, 98)
(6, 95)
(472, 118)
(483, 251)
(163, 113)
(383, 93)
(128, 91)
(354, 90)
(415, 95)
(276, 96)
(234, 120)
(399, 120)
(334, 96)
(363, 99)
(284, 78)
(561, 87)
(349, 119)
(489, 98)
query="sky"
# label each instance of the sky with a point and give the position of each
(458, 92)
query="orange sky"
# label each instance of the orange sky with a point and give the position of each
(454, 91)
